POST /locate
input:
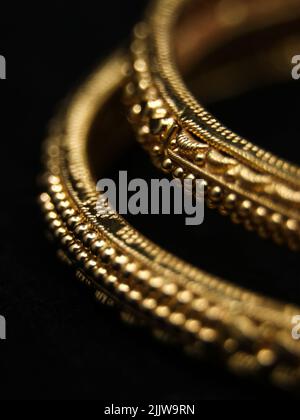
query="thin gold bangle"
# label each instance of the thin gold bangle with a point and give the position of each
(251, 185)
(206, 315)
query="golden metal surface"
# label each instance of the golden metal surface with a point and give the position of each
(254, 187)
(206, 315)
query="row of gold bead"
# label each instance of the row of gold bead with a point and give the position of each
(244, 211)
(162, 311)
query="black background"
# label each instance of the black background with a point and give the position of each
(60, 344)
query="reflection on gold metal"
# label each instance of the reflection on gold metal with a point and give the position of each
(232, 12)
(198, 143)
(207, 316)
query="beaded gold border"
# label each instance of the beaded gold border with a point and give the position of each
(264, 198)
(203, 313)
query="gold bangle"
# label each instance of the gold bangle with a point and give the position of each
(151, 287)
(251, 185)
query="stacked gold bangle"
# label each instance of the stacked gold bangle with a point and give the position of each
(206, 315)
(251, 185)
